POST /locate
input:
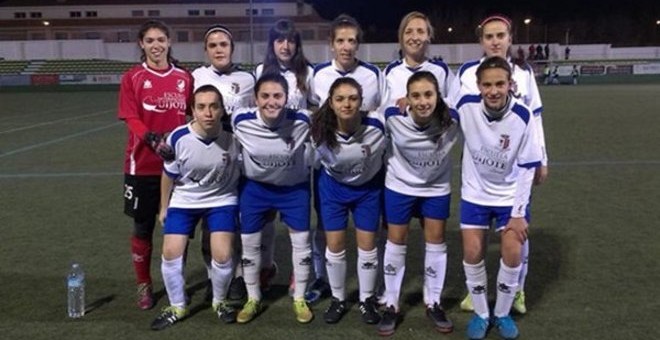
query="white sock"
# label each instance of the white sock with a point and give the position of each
(318, 254)
(267, 245)
(507, 285)
(476, 281)
(251, 263)
(435, 269)
(237, 257)
(174, 282)
(221, 274)
(301, 255)
(336, 267)
(367, 269)
(394, 267)
(524, 258)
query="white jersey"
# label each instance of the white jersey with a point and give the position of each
(418, 160)
(524, 88)
(205, 172)
(296, 99)
(276, 155)
(236, 86)
(398, 72)
(494, 150)
(359, 156)
(374, 90)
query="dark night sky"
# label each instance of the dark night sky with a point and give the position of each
(590, 21)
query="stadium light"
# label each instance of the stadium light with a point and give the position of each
(527, 21)
(46, 23)
(450, 29)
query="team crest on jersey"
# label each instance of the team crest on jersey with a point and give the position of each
(290, 143)
(235, 88)
(514, 89)
(504, 142)
(180, 85)
(366, 150)
(147, 84)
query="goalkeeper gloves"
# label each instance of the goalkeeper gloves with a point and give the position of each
(156, 142)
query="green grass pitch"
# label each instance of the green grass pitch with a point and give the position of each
(595, 241)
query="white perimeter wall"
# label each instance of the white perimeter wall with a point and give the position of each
(315, 52)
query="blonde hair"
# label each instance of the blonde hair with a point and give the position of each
(408, 18)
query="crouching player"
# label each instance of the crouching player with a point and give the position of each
(200, 183)
(500, 154)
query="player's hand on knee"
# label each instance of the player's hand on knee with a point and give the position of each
(518, 226)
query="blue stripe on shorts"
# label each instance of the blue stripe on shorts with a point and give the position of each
(481, 215)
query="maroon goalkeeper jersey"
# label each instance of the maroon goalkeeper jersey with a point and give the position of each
(151, 100)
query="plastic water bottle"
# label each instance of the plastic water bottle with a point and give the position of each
(76, 291)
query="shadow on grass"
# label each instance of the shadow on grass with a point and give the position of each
(91, 307)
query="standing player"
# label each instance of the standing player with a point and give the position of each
(350, 146)
(284, 55)
(345, 38)
(202, 182)
(236, 87)
(274, 142)
(495, 38)
(500, 152)
(153, 97)
(417, 183)
(415, 35)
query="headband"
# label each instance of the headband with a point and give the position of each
(218, 28)
(497, 17)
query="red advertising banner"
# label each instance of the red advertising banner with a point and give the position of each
(45, 79)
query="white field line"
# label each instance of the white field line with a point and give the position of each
(57, 140)
(55, 121)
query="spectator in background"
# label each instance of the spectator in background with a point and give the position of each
(547, 51)
(567, 53)
(539, 52)
(520, 53)
(531, 50)
(575, 73)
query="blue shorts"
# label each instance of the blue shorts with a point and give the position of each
(399, 208)
(183, 220)
(481, 216)
(257, 199)
(336, 199)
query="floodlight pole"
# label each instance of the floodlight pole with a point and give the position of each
(251, 34)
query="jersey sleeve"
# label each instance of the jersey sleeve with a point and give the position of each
(530, 153)
(171, 169)
(537, 109)
(128, 107)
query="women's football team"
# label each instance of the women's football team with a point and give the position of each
(220, 142)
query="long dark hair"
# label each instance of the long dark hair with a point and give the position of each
(441, 112)
(159, 25)
(324, 120)
(285, 29)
